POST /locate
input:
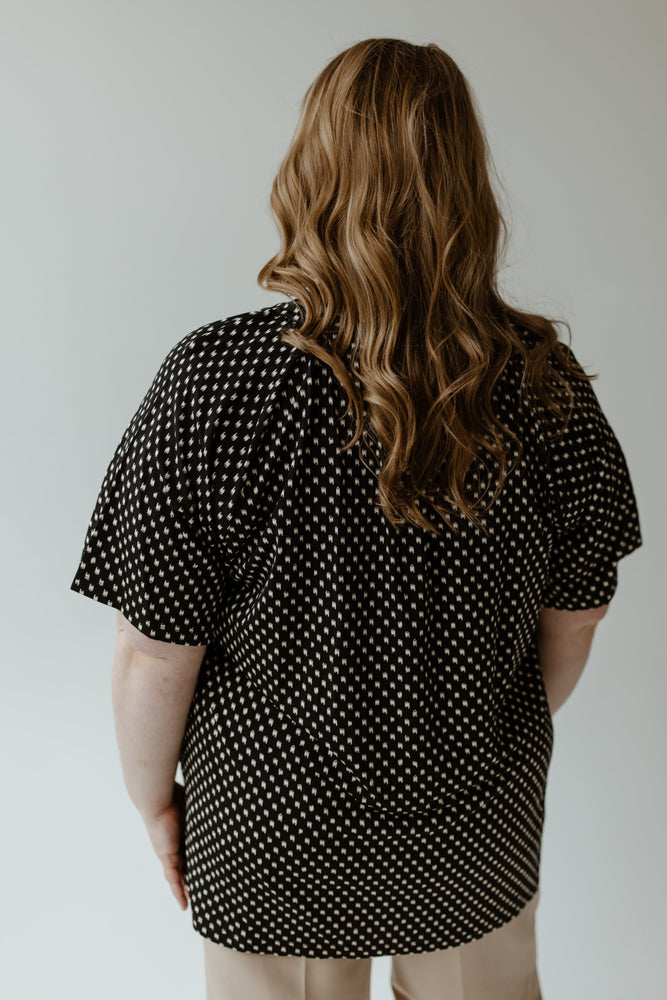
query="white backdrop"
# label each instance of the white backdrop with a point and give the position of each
(140, 142)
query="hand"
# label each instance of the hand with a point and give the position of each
(167, 833)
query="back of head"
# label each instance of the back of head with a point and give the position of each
(391, 243)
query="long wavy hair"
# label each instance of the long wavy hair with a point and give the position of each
(390, 247)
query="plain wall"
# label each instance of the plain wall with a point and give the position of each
(140, 143)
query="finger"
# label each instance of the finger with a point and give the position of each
(177, 891)
(176, 880)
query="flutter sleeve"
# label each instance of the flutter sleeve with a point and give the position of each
(145, 552)
(592, 507)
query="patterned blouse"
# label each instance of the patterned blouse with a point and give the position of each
(366, 753)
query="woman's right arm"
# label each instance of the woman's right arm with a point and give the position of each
(564, 640)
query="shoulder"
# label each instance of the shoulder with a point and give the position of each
(566, 376)
(243, 347)
(226, 377)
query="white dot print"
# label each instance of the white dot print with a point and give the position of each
(366, 753)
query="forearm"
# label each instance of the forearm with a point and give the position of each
(563, 656)
(151, 699)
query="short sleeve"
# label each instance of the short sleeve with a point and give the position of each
(145, 552)
(592, 507)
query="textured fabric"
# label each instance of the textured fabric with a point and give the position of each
(366, 753)
(501, 965)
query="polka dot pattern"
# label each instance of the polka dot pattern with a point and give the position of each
(366, 753)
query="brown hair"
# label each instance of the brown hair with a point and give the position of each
(390, 233)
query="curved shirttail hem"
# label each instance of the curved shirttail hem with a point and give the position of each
(229, 941)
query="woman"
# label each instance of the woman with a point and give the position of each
(359, 542)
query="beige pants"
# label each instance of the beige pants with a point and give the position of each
(502, 965)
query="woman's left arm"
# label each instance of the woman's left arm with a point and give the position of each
(152, 687)
(153, 683)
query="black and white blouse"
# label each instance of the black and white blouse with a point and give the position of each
(366, 753)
